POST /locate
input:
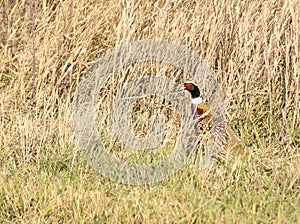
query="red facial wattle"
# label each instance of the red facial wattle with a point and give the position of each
(188, 86)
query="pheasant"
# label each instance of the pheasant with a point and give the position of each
(203, 114)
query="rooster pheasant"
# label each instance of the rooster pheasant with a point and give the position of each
(203, 115)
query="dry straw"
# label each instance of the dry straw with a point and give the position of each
(253, 49)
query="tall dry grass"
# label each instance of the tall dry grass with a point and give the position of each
(253, 47)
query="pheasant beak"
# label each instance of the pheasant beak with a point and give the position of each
(183, 88)
(178, 89)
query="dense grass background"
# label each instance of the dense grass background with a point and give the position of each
(253, 47)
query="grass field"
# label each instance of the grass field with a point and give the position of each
(253, 48)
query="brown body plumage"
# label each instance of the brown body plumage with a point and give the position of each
(231, 141)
